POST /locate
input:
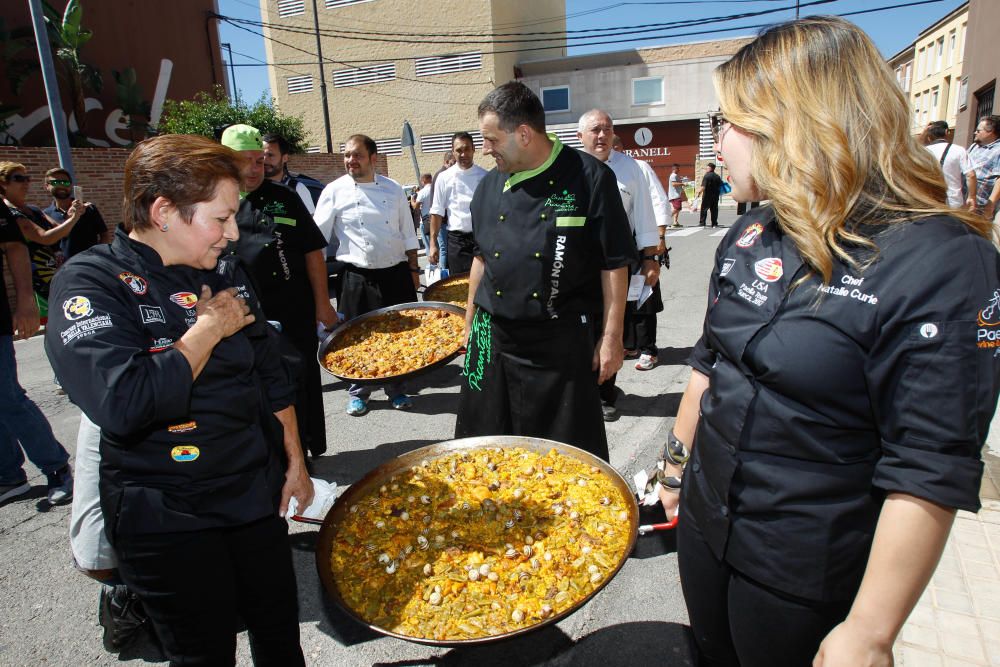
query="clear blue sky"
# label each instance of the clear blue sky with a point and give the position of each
(891, 29)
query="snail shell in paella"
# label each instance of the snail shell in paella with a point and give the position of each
(422, 543)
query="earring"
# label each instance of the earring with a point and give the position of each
(164, 228)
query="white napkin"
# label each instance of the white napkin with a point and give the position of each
(322, 500)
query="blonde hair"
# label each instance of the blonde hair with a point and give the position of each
(7, 170)
(830, 130)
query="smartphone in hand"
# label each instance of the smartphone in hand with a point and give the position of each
(78, 193)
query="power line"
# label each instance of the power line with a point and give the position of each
(617, 41)
(488, 38)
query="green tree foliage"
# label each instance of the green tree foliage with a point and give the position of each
(68, 36)
(212, 110)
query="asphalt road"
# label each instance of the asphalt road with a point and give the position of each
(49, 612)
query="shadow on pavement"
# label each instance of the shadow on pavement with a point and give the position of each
(656, 543)
(640, 643)
(658, 406)
(673, 356)
(349, 467)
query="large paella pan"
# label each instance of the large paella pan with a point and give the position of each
(476, 540)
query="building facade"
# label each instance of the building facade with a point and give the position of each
(938, 58)
(977, 88)
(658, 97)
(178, 59)
(390, 61)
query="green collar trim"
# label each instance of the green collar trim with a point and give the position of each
(520, 176)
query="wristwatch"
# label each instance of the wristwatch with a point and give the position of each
(651, 258)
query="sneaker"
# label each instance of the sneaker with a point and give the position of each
(120, 613)
(402, 402)
(645, 363)
(677, 224)
(8, 491)
(610, 412)
(357, 406)
(60, 486)
(631, 354)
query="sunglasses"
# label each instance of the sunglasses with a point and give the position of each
(61, 183)
(19, 178)
(717, 122)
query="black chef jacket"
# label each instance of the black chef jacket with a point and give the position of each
(824, 399)
(546, 234)
(276, 232)
(176, 454)
(9, 233)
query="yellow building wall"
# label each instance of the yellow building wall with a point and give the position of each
(436, 104)
(937, 72)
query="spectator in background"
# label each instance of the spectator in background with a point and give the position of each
(984, 154)
(89, 230)
(709, 191)
(675, 193)
(22, 424)
(421, 202)
(42, 235)
(954, 161)
(447, 160)
(276, 152)
(455, 187)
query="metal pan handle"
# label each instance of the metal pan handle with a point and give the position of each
(305, 519)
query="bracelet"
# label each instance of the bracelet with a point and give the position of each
(413, 270)
(651, 258)
(669, 482)
(675, 451)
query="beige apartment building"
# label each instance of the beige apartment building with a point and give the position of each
(938, 57)
(390, 61)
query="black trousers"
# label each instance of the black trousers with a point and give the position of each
(197, 586)
(709, 204)
(460, 252)
(364, 290)
(310, 414)
(737, 622)
(533, 379)
(640, 323)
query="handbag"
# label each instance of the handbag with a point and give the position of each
(725, 189)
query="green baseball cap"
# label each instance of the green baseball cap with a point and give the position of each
(242, 138)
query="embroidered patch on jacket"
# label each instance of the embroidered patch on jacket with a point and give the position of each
(750, 235)
(76, 307)
(182, 428)
(184, 299)
(185, 453)
(562, 203)
(769, 269)
(135, 283)
(151, 314)
(988, 319)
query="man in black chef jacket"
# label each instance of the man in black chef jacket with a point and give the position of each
(548, 282)
(285, 253)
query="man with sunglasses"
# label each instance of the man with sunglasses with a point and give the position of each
(984, 154)
(90, 229)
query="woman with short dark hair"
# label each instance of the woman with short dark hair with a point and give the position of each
(163, 346)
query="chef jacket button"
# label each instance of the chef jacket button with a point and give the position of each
(502, 218)
(696, 466)
(543, 216)
(499, 293)
(724, 511)
(496, 254)
(538, 254)
(552, 182)
(732, 450)
(534, 295)
(274, 273)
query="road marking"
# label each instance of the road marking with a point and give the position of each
(721, 232)
(686, 232)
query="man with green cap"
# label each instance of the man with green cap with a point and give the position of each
(284, 251)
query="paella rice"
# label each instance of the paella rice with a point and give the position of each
(453, 291)
(479, 543)
(395, 343)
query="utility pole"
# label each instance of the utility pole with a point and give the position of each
(796, 8)
(322, 81)
(51, 87)
(232, 69)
